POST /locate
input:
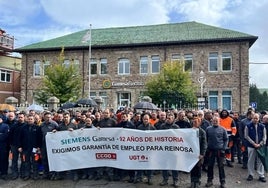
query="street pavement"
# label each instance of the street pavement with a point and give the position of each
(235, 178)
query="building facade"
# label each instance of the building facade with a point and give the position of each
(9, 69)
(122, 59)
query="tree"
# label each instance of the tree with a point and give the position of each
(173, 86)
(260, 98)
(60, 80)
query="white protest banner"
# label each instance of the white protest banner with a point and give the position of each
(172, 149)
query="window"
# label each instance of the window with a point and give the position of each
(227, 100)
(103, 63)
(93, 66)
(5, 76)
(213, 62)
(188, 62)
(213, 100)
(37, 68)
(76, 64)
(46, 64)
(66, 63)
(104, 97)
(123, 66)
(144, 65)
(175, 57)
(93, 95)
(226, 61)
(155, 64)
(124, 99)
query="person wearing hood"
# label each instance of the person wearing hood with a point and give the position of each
(228, 123)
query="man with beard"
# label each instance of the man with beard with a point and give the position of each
(29, 145)
(48, 125)
(228, 123)
(145, 126)
(169, 124)
(106, 122)
(15, 132)
(162, 119)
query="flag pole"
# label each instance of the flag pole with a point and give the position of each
(89, 59)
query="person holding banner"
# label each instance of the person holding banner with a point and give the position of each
(106, 122)
(169, 124)
(125, 123)
(197, 170)
(66, 125)
(145, 126)
(47, 126)
(217, 140)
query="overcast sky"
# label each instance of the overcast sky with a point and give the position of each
(31, 21)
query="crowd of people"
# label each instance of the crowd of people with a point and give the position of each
(223, 137)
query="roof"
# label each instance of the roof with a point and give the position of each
(173, 33)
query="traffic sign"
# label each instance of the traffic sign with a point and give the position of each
(253, 104)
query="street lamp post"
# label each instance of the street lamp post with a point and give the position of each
(202, 79)
(87, 38)
(164, 102)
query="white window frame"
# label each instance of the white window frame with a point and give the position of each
(215, 96)
(226, 95)
(37, 67)
(188, 58)
(103, 62)
(144, 65)
(125, 65)
(225, 56)
(45, 64)
(93, 62)
(212, 58)
(175, 57)
(155, 61)
(7, 76)
(66, 63)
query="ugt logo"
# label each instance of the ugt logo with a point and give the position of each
(141, 158)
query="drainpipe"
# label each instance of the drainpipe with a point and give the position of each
(240, 79)
(26, 79)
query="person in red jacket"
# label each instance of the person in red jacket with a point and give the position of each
(228, 123)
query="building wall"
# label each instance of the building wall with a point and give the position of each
(12, 88)
(236, 81)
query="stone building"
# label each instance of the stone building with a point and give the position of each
(121, 59)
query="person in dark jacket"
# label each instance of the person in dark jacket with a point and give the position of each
(145, 126)
(244, 122)
(217, 140)
(255, 135)
(15, 132)
(4, 130)
(236, 139)
(106, 122)
(169, 124)
(196, 171)
(29, 146)
(182, 122)
(125, 123)
(48, 125)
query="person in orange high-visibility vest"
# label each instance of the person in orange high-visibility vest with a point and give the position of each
(228, 123)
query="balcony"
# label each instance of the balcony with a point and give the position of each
(6, 42)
